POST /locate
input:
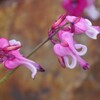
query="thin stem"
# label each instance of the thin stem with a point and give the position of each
(46, 40)
(33, 51)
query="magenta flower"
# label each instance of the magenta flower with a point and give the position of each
(67, 50)
(77, 25)
(11, 58)
(77, 7)
(81, 25)
(74, 7)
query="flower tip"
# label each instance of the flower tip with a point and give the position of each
(86, 66)
(92, 33)
(41, 69)
(33, 76)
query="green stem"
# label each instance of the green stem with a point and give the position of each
(33, 51)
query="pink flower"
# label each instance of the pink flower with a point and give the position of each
(74, 7)
(67, 50)
(77, 7)
(76, 25)
(11, 58)
(81, 25)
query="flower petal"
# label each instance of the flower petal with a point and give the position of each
(11, 64)
(97, 28)
(82, 47)
(16, 53)
(14, 42)
(83, 63)
(38, 67)
(13, 45)
(88, 23)
(68, 37)
(59, 50)
(30, 67)
(92, 33)
(3, 43)
(71, 18)
(73, 62)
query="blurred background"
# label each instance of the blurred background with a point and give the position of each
(29, 21)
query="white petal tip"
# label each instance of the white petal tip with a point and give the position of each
(14, 42)
(33, 76)
(73, 63)
(92, 33)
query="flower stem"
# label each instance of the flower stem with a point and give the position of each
(33, 51)
(46, 40)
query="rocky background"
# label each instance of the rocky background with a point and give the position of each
(29, 21)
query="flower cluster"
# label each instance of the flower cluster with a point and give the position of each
(68, 51)
(61, 35)
(11, 57)
(77, 7)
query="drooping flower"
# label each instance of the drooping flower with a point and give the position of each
(11, 57)
(77, 7)
(81, 25)
(67, 50)
(78, 25)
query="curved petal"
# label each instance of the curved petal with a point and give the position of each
(73, 62)
(11, 64)
(30, 67)
(3, 43)
(59, 50)
(83, 63)
(38, 67)
(81, 26)
(88, 23)
(83, 49)
(67, 36)
(97, 28)
(92, 33)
